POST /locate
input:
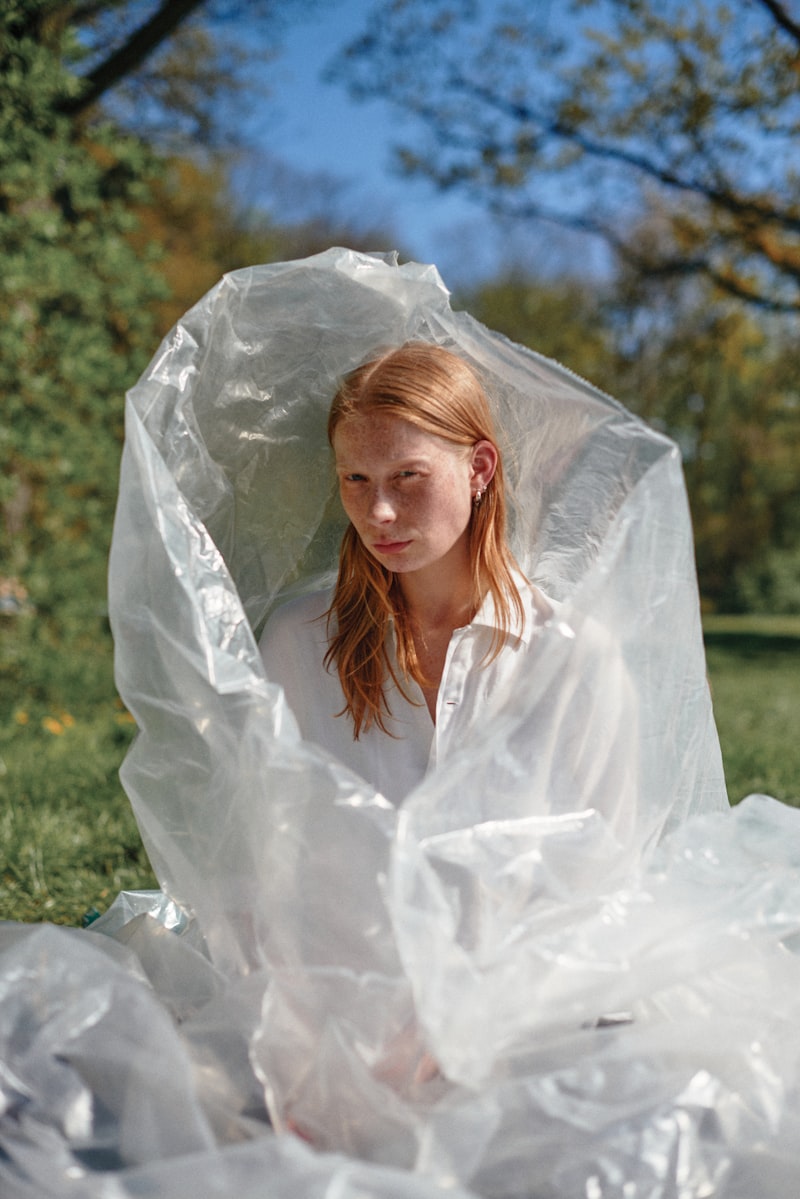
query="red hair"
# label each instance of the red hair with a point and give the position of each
(437, 391)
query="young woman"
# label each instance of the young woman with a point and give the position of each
(430, 613)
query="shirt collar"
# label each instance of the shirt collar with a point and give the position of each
(536, 611)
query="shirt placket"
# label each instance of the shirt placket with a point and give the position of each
(450, 700)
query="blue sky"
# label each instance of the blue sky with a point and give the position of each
(314, 127)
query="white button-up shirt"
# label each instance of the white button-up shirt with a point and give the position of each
(293, 647)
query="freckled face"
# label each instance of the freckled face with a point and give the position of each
(407, 492)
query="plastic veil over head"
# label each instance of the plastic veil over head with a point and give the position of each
(500, 984)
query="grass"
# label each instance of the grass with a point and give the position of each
(68, 840)
(68, 837)
(754, 668)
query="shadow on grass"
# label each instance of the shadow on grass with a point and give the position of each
(753, 644)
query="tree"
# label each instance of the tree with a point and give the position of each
(190, 215)
(562, 319)
(76, 318)
(83, 208)
(721, 381)
(167, 70)
(203, 232)
(593, 113)
(141, 36)
(175, 71)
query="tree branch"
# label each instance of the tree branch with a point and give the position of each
(649, 266)
(721, 198)
(782, 18)
(81, 13)
(132, 53)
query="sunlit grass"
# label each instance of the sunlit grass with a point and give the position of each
(69, 840)
(754, 668)
(756, 624)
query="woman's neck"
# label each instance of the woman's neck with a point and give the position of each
(438, 600)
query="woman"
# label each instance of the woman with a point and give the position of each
(430, 614)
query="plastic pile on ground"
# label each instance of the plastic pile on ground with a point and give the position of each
(489, 991)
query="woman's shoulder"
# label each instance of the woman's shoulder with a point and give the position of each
(301, 617)
(311, 605)
(540, 606)
(537, 607)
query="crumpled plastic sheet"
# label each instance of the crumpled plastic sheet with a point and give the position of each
(485, 991)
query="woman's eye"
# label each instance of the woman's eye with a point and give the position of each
(354, 478)
(408, 474)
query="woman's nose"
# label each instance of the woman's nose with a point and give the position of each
(381, 509)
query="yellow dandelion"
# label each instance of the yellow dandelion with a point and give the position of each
(53, 726)
(21, 717)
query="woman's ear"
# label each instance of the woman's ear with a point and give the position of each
(484, 463)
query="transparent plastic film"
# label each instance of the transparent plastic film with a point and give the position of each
(559, 966)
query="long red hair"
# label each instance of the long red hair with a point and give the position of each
(438, 392)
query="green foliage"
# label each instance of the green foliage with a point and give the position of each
(719, 380)
(722, 384)
(771, 583)
(754, 671)
(192, 216)
(560, 319)
(76, 328)
(75, 325)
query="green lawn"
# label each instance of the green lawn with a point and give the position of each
(68, 840)
(754, 668)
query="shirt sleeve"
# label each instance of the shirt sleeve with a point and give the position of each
(293, 646)
(593, 748)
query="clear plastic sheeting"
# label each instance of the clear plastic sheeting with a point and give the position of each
(507, 986)
(101, 1097)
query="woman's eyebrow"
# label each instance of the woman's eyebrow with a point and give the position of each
(415, 460)
(388, 464)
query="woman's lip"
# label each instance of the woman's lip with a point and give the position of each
(390, 547)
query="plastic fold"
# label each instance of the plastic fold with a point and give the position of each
(511, 984)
